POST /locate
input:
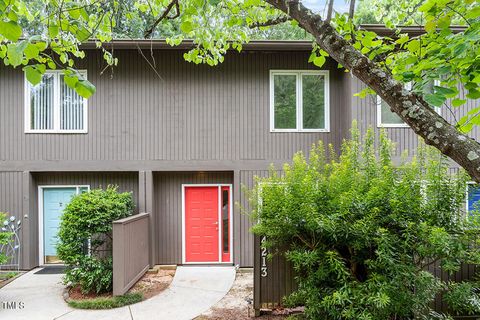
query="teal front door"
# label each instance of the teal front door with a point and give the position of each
(54, 202)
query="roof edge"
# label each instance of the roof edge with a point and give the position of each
(254, 45)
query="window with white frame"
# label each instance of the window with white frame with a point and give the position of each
(388, 119)
(299, 101)
(53, 107)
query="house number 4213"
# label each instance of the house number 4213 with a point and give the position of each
(263, 269)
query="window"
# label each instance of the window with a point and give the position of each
(225, 224)
(388, 119)
(53, 107)
(299, 101)
(473, 197)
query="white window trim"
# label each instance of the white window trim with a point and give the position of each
(467, 187)
(56, 106)
(408, 86)
(299, 99)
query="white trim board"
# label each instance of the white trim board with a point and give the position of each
(219, 186)
(41, 257)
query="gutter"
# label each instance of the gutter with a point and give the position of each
(255, 45)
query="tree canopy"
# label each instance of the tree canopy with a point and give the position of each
(40, 34)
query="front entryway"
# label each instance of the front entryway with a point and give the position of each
(52, 202)
(207, 224)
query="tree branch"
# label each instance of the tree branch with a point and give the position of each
(409, 106)
(271, 22)
(164, 15)
(351, 10)
(330, 10)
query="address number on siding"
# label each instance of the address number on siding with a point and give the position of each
(264, 253)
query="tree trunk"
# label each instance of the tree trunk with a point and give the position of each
(424, 121)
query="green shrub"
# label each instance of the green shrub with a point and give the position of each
(463, 298)
(361, 231)
(4, 236)
(85, 237)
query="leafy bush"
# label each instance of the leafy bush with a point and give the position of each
(464, 298)
(361, 231)
(85, 237)
(4, 237)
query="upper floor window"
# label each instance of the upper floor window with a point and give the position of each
(473, 197)
(53, 107)
(388, 119)
(299, 101)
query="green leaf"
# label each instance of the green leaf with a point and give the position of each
(85, 88)
(319, 61)
(473, 13)
(436, 100)
(460, 48)
(447, 92)
(364, 93)
(53, 30)
(430, 26)
(403, 39)
(413, 46)
(34, 73)
(31, 51)
(10, 30)
(473, 94)
(15, 52)
(458, 102)
(186, 26)
(71, 80)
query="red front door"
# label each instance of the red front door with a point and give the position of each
(201, 224)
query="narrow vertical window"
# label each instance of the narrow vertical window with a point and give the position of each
(71, 108)
(53, 107)
(313, 101)
(225, 224)
(41, 104)
(285, 101)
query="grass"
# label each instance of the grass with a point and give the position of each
(107, 302)
(7, 275)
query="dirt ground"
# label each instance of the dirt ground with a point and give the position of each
(150, 285)
(238, 303)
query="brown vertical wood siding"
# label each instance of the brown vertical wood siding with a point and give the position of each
(189, 118)
(11, 204)
(193, 112)
(126, 181)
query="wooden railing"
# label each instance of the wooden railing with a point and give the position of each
(130, 251)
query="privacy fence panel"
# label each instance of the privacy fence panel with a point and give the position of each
(274, 279)
(130, 251)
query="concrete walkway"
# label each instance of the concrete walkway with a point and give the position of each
(193, 291)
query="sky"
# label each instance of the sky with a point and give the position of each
(320, 5)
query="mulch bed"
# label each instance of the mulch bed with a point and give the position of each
(152, 284)
(149, 285)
